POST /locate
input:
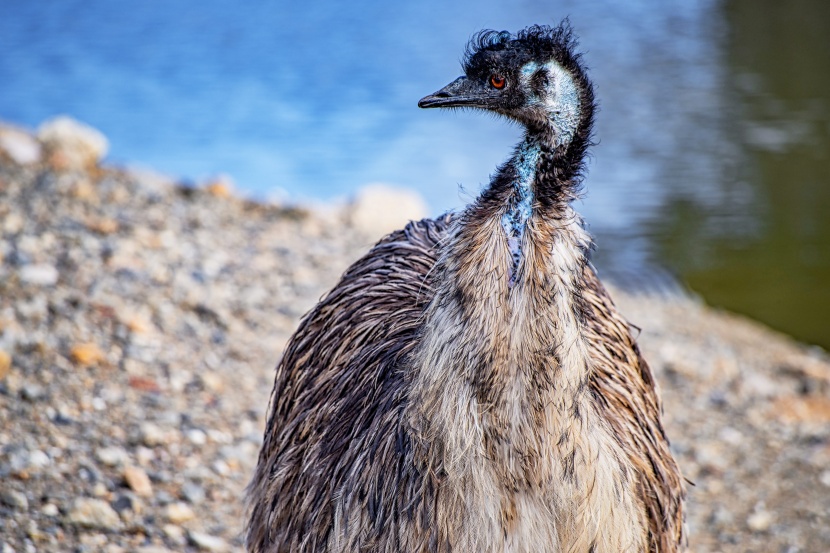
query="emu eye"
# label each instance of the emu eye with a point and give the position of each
(497, 81)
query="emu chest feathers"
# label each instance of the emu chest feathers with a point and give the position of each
(501, 405)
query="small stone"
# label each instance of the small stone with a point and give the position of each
(824, 478)
(103, 225)
(72, 144)
(143, 384)
(208, 542)
(99, 489)
(111, 456)
(38, 459)
(221, 187)
(123, 503)
(127, 502)
(144, 455)
(760, 521)
(196, 436)
(93, 513)
(50, 510)
(138, 481)
(212, 381)
(20, 146)
(179, 512)
(32, 392)
(86, 354)
(152, 435)
(173, 532)
(5, 364)
(15, 499)
(138, 324)
(41, 274)
(193, 493)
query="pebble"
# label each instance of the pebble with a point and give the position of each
(40, 275)
(208, 542)
(50, 510)
(760, 521)
(38, 459)
(196, 436)
(5, 363)
(32, 392)
(86, 354)
(78, 145)
(152, 435)
(112, 456)
(127, 502)
(193, 493)
(179, 512)
(19, 145)
(173, 532)
(93, 513)
(15, 499)
(138, 481)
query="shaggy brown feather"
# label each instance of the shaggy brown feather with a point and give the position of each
(337, 428)
(468, 385)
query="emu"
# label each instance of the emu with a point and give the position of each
(468, 385)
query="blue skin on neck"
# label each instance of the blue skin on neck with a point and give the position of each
(514, 220)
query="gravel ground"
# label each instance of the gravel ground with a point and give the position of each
(140, 322)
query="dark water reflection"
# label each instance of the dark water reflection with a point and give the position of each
(714, 122)
(759, 242)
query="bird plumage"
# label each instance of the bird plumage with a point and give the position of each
(468, 385)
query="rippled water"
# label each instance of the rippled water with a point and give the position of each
(713, 155)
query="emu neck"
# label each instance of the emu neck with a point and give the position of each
(536, 181)
(510, 292)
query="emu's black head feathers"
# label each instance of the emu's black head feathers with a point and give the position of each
(534, 77)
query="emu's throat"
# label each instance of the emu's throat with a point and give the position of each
(520, 207)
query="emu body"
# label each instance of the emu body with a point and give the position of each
(468, 385)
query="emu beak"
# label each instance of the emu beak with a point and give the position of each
(460, 92)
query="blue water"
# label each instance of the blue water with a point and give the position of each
(314, 100)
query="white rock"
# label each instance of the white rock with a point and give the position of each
(208, 542)
(196, 436)
(19, 145)
(152, 435)
(179, 512)
(38, 459)
(93, 513)
(760, 521)
(378, 209)
(111, 456)
(41, 274)
(50, 510)
(79, 144)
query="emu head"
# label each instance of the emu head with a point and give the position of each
(533, 77)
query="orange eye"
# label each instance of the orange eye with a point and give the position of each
(497, 81)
